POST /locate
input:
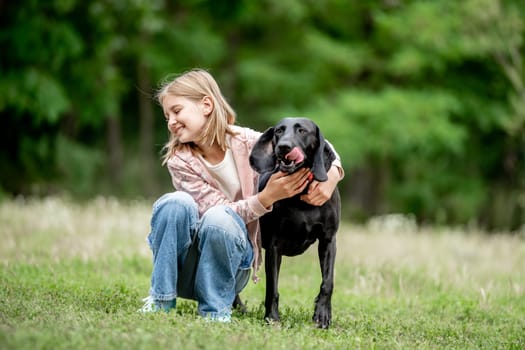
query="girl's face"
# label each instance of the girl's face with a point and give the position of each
(186, 118)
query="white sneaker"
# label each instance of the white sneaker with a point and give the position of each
(152, 305)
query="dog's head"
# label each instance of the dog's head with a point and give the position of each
(291, 144)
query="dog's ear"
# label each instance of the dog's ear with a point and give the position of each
(262, 157)
(323, 158)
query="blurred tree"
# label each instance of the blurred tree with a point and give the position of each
(38, 42)
(496, 30)
(426, 109)
(459, 53)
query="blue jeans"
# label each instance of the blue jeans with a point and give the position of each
(223, 263)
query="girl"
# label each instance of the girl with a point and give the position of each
(205, 236)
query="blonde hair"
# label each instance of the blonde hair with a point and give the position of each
(195, 85)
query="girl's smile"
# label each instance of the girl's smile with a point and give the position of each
(185, 117)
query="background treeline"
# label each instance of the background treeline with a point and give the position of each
(424, 100)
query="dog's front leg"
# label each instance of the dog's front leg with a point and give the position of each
(272, 265)
(323, 302)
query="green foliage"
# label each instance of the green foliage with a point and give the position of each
(393, 123)
(425, 99)
(79, 166)
(36, 93)
(409, 132)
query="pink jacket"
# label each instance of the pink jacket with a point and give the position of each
(188, 174)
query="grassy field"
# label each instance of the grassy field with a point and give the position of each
(72, 277)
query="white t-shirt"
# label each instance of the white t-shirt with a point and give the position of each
(226, 175)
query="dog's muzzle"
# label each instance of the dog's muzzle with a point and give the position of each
(291, 161)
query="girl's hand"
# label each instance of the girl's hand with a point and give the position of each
(320, 192)
(281, 185)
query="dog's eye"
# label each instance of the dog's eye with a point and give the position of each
(278, 131)
(301, 131)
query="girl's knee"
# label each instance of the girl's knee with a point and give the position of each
(175, 216)
(222, 220)
(175, 205)
(176, 199)
(217, 216)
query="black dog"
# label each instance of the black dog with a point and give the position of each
(293, 225)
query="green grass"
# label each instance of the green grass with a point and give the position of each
(72, 277)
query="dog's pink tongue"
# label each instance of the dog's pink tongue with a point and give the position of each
(295, 155)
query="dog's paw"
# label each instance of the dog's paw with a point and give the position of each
(322, 318)
(323, 324)
(272, 322)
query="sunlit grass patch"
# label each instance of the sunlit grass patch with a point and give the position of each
(57, 228)
(73, 276)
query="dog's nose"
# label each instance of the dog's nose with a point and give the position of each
(283, 148)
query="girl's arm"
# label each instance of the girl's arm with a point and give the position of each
(206, 194)
(281, 185)
(320, 192)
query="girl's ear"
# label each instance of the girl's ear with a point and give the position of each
(207, 105)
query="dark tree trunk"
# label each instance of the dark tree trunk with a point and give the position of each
(146, 132)
(115, 158)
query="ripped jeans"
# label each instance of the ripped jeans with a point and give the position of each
(221, 265)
